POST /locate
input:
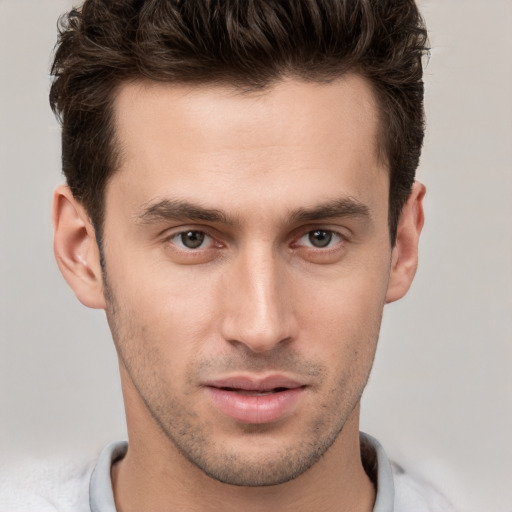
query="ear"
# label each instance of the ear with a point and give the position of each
(76, 250)
(404, 257)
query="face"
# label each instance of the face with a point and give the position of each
(247, 261)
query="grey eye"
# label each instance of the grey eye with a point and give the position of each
(192, 239)
(320, 238)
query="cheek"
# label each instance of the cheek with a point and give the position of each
(170, 314)
(344, 318)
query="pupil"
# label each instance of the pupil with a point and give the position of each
(320, 238)
(192, 239)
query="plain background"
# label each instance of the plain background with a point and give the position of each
(440, 397)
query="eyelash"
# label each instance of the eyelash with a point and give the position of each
(177, 240)
(330, 234)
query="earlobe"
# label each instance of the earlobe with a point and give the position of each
(405, 252)
(76, 250)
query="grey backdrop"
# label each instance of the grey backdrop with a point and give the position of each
(440, 395)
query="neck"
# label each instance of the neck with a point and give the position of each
(154, 475)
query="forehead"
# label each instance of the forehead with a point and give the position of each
(277, 113)
(297, 137)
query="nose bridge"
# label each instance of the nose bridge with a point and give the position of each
(258, 312)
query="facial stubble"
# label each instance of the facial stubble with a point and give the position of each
(193, 437)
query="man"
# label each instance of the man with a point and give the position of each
(241, 201)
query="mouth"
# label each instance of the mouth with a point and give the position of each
(255, 392)
(256, 400)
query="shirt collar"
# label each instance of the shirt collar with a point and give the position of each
(375, 462)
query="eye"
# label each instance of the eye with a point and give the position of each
(320, 238)
(191, 240)
(192, 246)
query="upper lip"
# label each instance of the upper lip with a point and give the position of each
(255, 383)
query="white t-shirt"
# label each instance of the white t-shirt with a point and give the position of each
(88, 487)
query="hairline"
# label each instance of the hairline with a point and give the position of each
(244, 87)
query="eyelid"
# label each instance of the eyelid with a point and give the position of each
(343, 233)
(177, 239)
(219, 241)
(169, 235)
(336, 238)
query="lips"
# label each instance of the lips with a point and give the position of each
(254, 392)
(255, 400)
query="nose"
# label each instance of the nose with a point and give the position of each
(258, 302)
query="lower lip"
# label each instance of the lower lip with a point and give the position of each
(255, 408)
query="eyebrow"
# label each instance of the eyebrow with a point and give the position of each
(337, 208)
(180, 210)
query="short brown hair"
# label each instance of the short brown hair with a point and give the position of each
(246, 43)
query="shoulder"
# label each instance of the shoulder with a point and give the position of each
(413, 493)
(398, 490)
(38, 486)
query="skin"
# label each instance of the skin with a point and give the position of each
(264, 171)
